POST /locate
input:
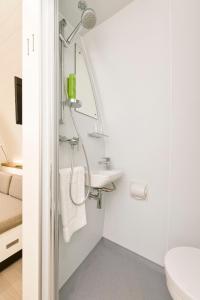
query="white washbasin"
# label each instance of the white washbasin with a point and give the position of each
(102, 178)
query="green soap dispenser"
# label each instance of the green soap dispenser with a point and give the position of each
(71, 86)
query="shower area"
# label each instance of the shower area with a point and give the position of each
(86, 176)
(81, 140)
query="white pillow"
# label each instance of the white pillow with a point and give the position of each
(5, 179)
(16, 187)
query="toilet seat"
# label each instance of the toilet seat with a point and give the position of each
(182, 266)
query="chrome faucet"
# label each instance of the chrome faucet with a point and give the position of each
(106, 161)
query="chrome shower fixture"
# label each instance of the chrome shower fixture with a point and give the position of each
(88, 21)
(62, 24)
(82, 5)
(74, 103)
(88, 18)
(73, 141)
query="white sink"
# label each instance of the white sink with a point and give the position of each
(100, 179)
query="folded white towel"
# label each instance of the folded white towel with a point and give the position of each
(73, 217)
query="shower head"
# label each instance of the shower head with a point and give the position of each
(88, 18)
(88, 21)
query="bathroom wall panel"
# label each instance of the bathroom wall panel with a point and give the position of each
(147, 64)
(131, 57)
(184, 222)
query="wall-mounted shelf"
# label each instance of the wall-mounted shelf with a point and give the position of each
(97, 135)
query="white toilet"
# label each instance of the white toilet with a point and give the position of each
(182, 267)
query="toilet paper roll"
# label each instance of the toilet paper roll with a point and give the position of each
(138, 191)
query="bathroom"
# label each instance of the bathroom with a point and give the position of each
(128, 105)
(99, 149)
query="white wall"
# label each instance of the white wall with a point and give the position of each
(130, 53)
(11, 65)
(72, 254)
(185, 131)
(146, 60)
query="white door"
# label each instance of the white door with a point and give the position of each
(39, 151)
(31, 149)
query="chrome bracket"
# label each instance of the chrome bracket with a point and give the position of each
(97, 194)
(82, 5)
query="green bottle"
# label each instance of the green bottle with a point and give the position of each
(71, 86)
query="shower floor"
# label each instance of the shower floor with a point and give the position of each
(111, 272)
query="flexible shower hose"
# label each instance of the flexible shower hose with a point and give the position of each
(72, 166)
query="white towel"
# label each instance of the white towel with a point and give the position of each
(73, 217)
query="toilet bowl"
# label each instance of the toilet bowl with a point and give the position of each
(182, 267)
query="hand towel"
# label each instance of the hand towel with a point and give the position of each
(73, 217)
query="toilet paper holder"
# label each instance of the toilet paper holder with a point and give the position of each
(139, 191)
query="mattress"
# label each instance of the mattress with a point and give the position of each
(10, 212)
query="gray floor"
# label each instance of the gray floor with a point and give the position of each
(111, 272)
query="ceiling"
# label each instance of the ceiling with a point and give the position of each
(104, 9)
